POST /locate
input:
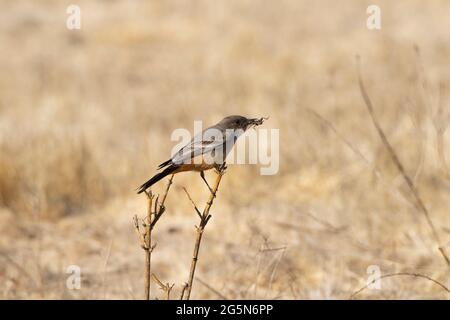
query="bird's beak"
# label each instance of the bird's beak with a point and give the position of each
(254, 122)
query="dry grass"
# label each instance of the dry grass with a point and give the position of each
(86, 116)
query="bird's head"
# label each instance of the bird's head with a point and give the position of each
(240, 122)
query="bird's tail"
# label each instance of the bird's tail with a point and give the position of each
(156, 178)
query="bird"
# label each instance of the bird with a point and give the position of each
(206, 150)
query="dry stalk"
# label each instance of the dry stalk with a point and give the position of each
(154, 212)
(148, 246)
(356, 151)
(19, 268)
(440, 118)
(183, 290)
(204, 218)
(418, 200)
(221, 296)
(162, 208)
(440, 123)
(167, 288)
(416, 275)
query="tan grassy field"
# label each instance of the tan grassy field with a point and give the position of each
(86, 117)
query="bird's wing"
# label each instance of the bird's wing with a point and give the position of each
(200, 144)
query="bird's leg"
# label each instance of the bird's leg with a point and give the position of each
(202, 174)
(220, 167)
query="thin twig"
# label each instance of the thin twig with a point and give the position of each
(221, 296)
(204, 218)
(417, 275)
(167, 288)
(439, 119)
(154, 212)
(162, 208)
(275, 267)
(330, 125)
(21, 269)
(356, 151)
(193, 203)
(440, 123)
(108, 254)
(148, 247)
(137, 228)
(169, 183)
(183, 290)
(419, 203)
(156, 279)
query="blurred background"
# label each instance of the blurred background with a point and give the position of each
(86, 116)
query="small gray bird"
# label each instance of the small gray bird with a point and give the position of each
(206, 150)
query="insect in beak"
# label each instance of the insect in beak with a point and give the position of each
(254, 122)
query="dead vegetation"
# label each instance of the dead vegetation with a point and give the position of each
(154, 212)
(85, 115)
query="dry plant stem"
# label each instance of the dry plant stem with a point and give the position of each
(340, 136)
(149, 227)
(204, 218)
(440, 126)
(162, 208)
(183, 290)
(221, 296)
(19, 268)
(169, 183)
(167, 288)
(416, 275)
(148, 247)
(153, 214)
(418, 201)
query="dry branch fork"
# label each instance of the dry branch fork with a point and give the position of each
(154, 212)
(204, 218)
